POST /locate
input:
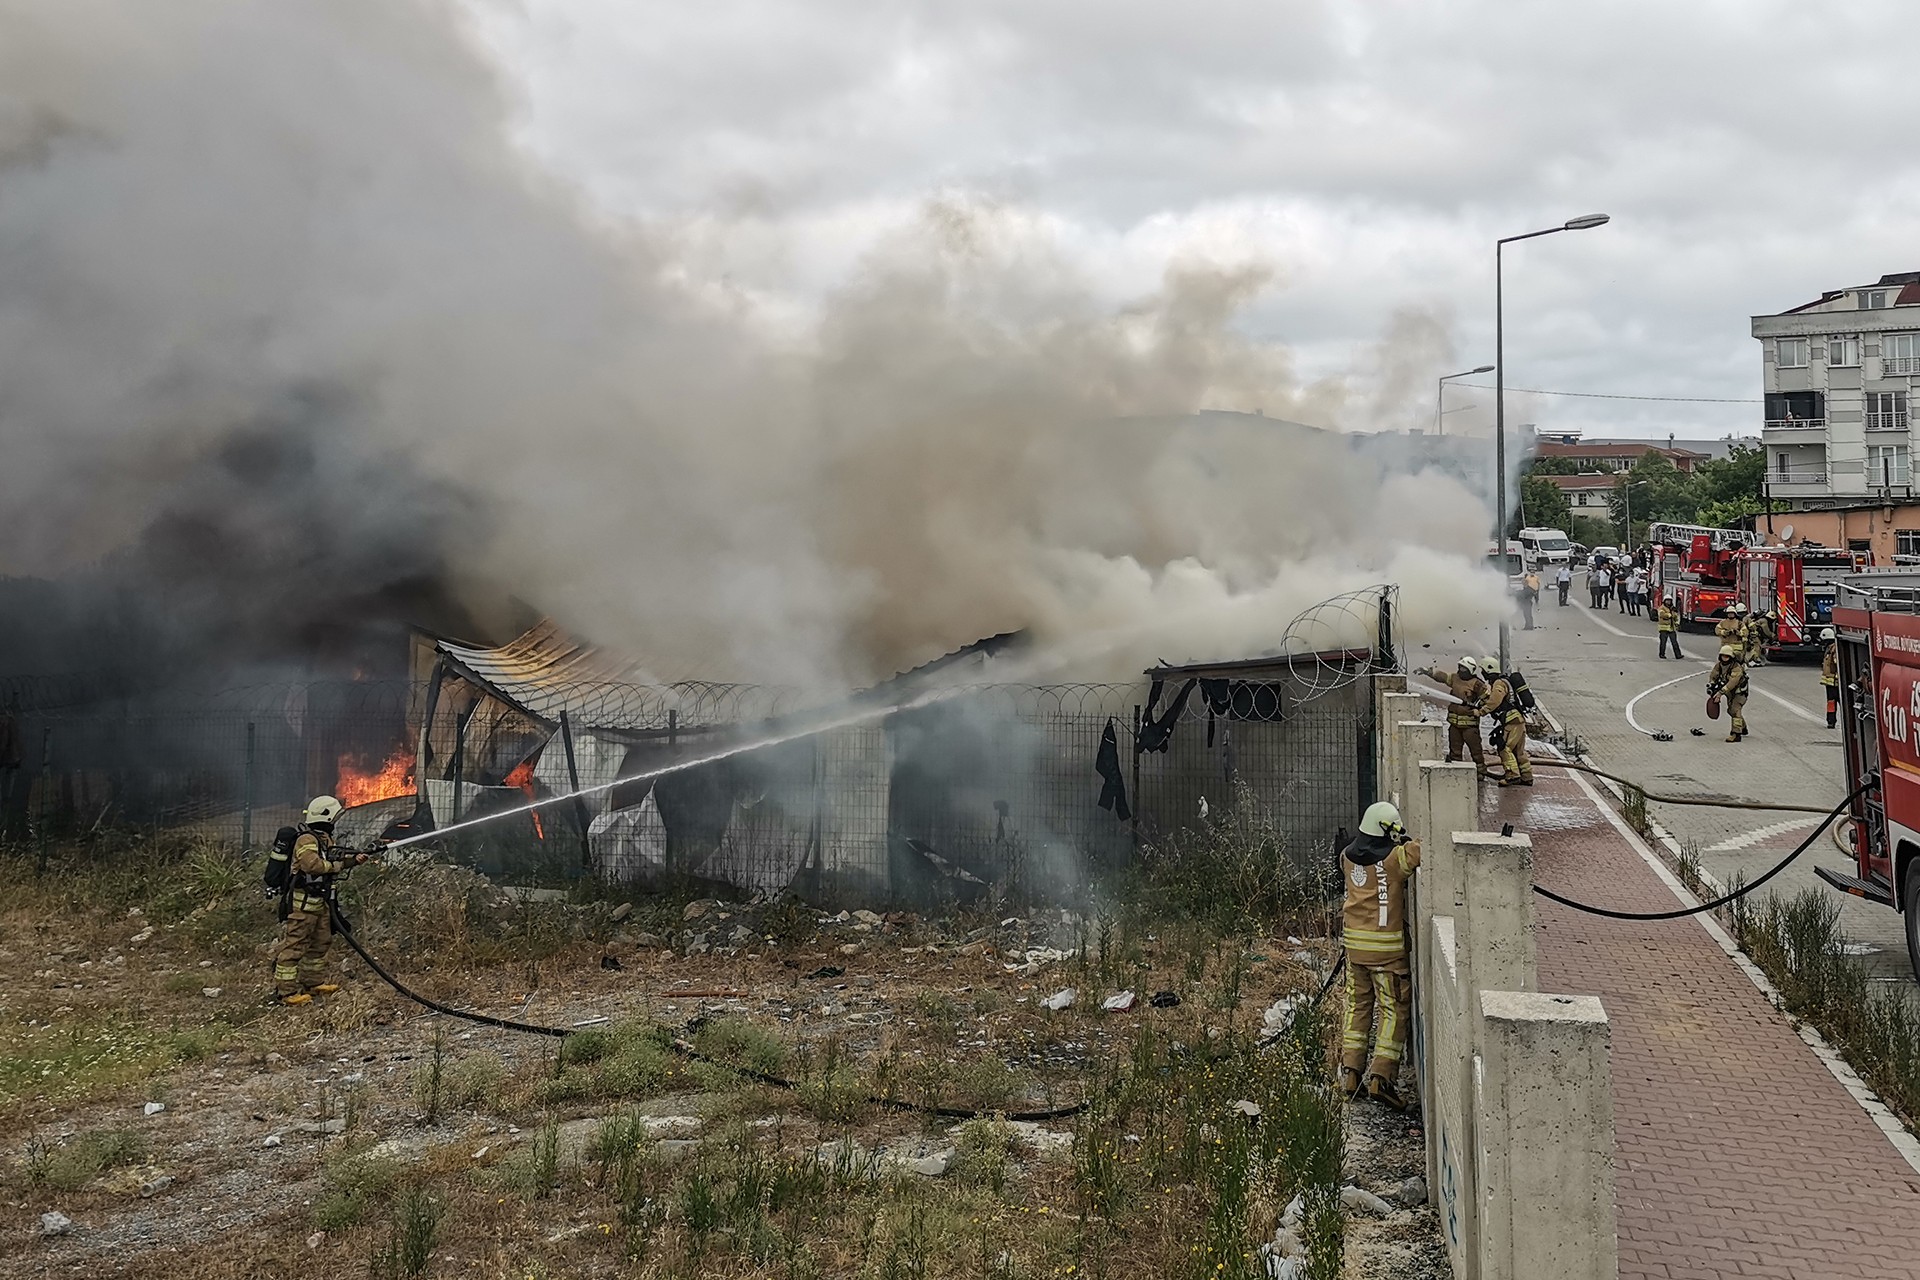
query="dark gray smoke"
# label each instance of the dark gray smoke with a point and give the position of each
(294, 344)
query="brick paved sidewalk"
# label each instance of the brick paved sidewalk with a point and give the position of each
(1739, 1153)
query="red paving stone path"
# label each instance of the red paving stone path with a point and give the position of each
(1739, 1154)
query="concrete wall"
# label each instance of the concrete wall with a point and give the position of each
(1516, 1084)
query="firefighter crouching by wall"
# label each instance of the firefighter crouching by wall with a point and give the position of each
(1463, 719)
(1830, 674)
(1728, 680)
(299, 963)
(1509, 726)
(1376, 867)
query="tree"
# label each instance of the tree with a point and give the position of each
(1660, 492)
(1542, 504)
(1734, 478)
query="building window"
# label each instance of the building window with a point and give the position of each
(1886, 465)
(1886, 410)
(1900, 353)
(1791, 353)
(1906, 542)
(1873, 299)
(1843, 351)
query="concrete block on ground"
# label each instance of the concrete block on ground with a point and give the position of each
(1543, 1138)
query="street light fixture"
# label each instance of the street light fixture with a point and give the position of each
(1582, 223)
(1440, 395)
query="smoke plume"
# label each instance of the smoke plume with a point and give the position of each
(293, 337)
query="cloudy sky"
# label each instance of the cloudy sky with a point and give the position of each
(1751, 154)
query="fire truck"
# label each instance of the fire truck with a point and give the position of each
(1698, 567)
(1800, 585)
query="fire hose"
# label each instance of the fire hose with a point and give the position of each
(686, 1050)
(1725, 898)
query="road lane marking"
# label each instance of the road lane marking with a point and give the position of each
(1750, 838)
(1633, 701)
(1794, 707)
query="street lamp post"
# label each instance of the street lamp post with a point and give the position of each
(1440, 395)
(1581, 223)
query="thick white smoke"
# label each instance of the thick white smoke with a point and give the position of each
(286, 320)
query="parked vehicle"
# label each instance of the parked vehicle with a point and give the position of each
(1513, 564)
(1698, 566)
(1546, 547)
(1799, 584)
(1608, 556)
(1878, 621)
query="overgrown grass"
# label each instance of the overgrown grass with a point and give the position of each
(1798, 943)
(1235, 873)
(73, 1164)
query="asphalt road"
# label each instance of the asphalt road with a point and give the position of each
(1599, 675)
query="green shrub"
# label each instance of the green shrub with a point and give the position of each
(740, 1043)
(78, 1162)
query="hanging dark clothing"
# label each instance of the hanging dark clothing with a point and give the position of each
(1156, 735)
(1113, 783)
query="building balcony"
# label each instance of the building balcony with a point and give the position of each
(1792, 430)
(1886, 421)
(1799, 481)
(1898, 366)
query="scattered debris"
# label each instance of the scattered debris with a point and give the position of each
(1118, 1003)
(1697, 732)
(1280, 1012)
(55, 1224)
(1412, 1192)
(319, 1128)
(611, 962)
(1358, 1200)
(211, 993)
(1248, 1108)
(154, 1186)
(933, 1166)
(827, 971)
(599, 1021)
(1033, 959)
(317, 1239)
(620, 912)
(271, 1140)
(1044, 1141)
(155, 1108)
(142, 936)
(1164, 1000)
(1062, 999)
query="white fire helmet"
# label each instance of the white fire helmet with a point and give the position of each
(1490, 667)
(1381, 819)
(1826, 633)
(1470, 666)
(321, 811)
(1736, 609)
(1729, 651)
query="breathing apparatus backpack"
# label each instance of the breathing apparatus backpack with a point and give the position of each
(278, 874)
(1518, 683)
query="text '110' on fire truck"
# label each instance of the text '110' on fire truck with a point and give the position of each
(1799, 586)
(1878, 624)
(1697, 567)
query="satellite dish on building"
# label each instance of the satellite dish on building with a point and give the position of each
(1786, 532)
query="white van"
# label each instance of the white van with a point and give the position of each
(1513, 564)
(1547, 548)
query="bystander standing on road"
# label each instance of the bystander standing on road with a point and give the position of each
(1529, 595)
(1606, 587)
(1564, 581)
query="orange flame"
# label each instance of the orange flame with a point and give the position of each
(361, 785)
(522, 777)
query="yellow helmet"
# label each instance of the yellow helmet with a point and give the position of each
(1729, 651)
(321, 811)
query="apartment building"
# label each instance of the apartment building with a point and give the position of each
(1838, 372)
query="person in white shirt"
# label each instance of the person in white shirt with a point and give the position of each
(1564, 581)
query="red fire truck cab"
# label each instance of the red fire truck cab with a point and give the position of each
(1878, 623)
(1798, 584)
(1697, 567)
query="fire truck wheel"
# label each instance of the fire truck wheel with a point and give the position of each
(1911, 907)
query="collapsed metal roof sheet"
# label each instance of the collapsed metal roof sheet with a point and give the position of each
(545, 671)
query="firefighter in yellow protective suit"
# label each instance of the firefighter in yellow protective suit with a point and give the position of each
(1830, 674)
(1509, 726)
(1463, 719)
(1732, 629)
(1755, 636)
(299, 962)
(1669, 621)
(1728, 681)
(1376, 867)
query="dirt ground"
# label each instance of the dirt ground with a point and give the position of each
(179, 1126)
